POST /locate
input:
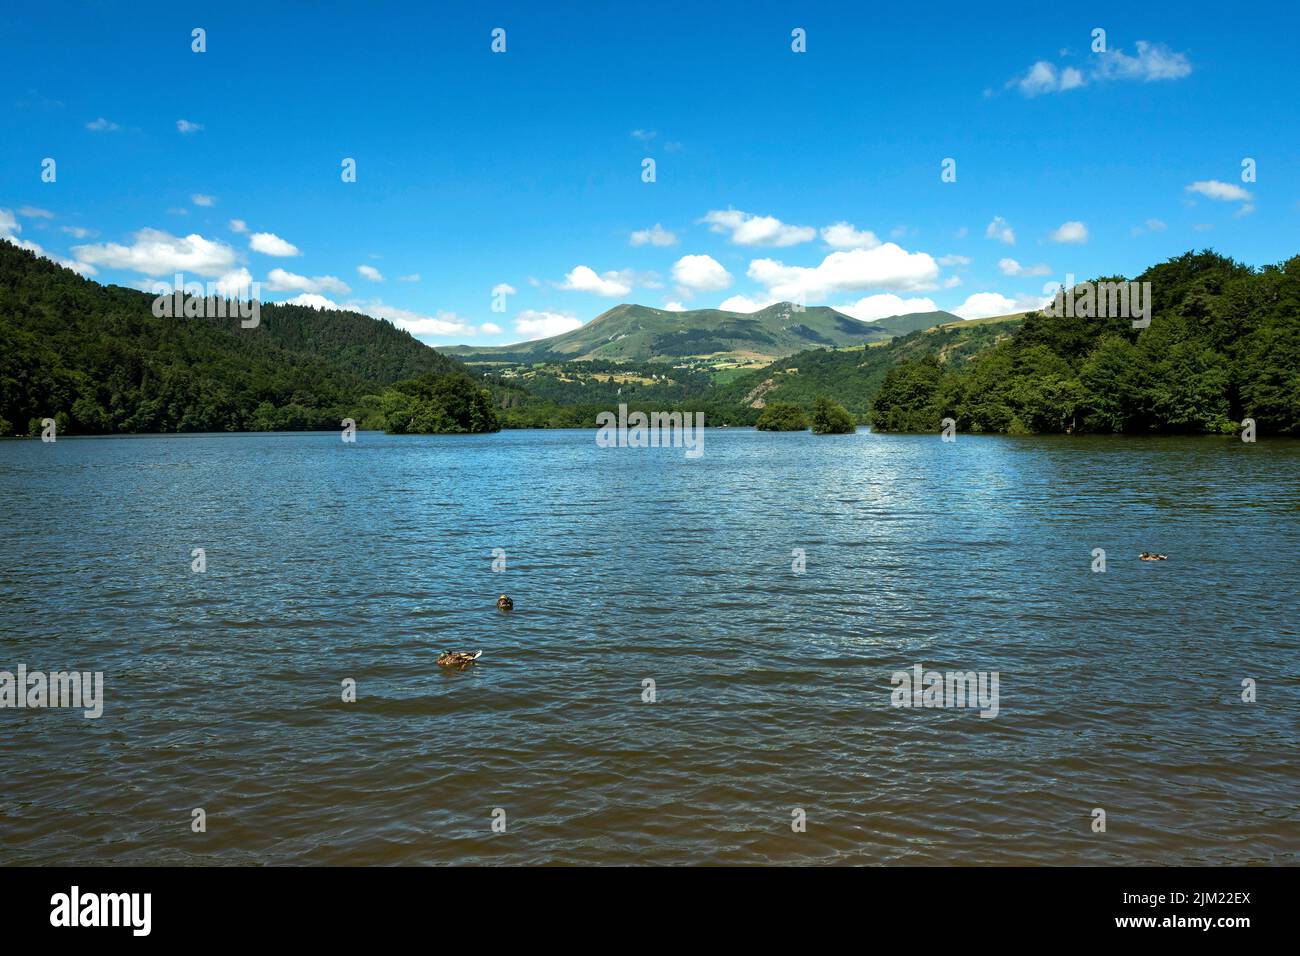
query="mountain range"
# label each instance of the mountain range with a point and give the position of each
(638, 333)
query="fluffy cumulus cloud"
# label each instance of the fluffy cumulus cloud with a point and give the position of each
(843, 235)
(1070, 232)
(743, 303)
(656, 235)
(9, 230)
(1224, 192)
(278, 280)
(674, 306)
(585, 279)
(982, 305)
(700, 274)
(269, 244)
(185, 126)
(439, 325)
(199, 199)
(884, 305)
(371, 273)
(1044, 77)
(542, 325)
(313, 300)
(490, 328)
(1153, 62)
(153, 252)
(884, 267)
(1010, 267)
(746, 229)
(1000, 230)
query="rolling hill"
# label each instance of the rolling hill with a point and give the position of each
(638, 333)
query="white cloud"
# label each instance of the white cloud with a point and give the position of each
(645, 135)
(885, 267)
(1224, 192)
(491, 328)
(278, 280)
(1072, 231)
(952, 282)
(750, 230)
(843, 235)
(584, 279)
(674, 306)
(1000, 230)
(982, 305)
(268, 243)
(238, 225)
(1152, 225)
(1044, 77)
(656, 235)
(1010, 267)
(76, 232)
(700, 274)
(201, 200)
(413, 277)
(185, 126)
(1153, 62)
(313, 300)
(954, 260)
(743, 303)
(102, 125)
(35, 212)
(542, 325)
(154, 252)
(235, 284)
(371, 273)
(884, 305)
(440, 324)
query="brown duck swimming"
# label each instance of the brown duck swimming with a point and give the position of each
(1152, 556)
(505, 604)
(458, 659)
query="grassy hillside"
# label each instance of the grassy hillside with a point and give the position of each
(852, 376)
(637, 333)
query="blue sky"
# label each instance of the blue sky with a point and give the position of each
(811, 176)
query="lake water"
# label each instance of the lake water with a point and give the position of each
(327, 561)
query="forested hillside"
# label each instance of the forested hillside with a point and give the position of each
(1223, 345)
(96, 360)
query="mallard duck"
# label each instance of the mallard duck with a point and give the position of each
(458, 659)
(1152, 556)
(505, 604)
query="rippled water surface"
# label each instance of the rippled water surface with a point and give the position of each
(326, 561)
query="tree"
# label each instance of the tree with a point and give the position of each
(831, 418)
(782, 417)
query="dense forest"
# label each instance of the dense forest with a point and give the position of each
(98, 361)
(1223, 345)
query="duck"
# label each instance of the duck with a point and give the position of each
(1152, 556)
(505, 604)
(458, 659)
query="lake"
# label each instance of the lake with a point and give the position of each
(772, 694)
